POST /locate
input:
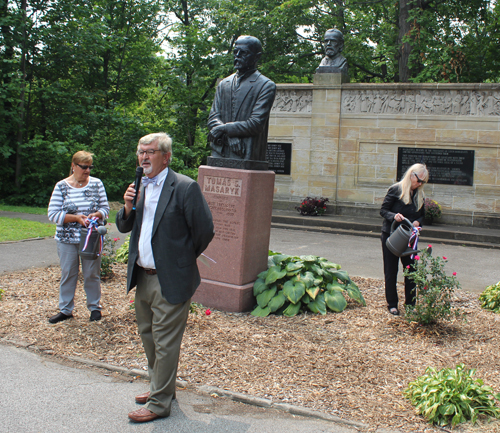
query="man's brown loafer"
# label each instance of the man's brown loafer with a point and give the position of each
(142, 415)
(142, 398)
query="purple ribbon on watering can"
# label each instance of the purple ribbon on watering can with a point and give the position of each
(413, 241)
(93, 224)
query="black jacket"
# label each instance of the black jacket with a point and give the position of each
(182, 230)
(393, 204)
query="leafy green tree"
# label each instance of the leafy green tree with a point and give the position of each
(87, 62)
(408, 40)
(448, 41)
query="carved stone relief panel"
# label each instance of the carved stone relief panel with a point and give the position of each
(293, 101)
(430, 102)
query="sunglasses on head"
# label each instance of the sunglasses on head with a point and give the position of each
(84, 167)
(418, 179)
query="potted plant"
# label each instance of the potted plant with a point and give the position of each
(312, 206)
(432, 210)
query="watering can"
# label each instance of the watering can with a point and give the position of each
(397, 242)
(91, 243)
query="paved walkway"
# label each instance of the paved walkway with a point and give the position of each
(40, 395)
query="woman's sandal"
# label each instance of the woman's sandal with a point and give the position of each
(394, 311)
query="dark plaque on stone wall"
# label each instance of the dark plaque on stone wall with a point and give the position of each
(279, 156)
(446, 166)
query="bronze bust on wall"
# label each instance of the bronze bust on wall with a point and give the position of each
(334, 61)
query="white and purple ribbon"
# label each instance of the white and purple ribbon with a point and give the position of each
(93, 224)
(413, 241)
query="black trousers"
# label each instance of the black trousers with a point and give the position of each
(391, 265)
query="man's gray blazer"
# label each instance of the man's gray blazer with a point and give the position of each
(182, 230)
(252, 106)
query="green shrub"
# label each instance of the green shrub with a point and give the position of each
(122, 252)
(292, 284)
(434, 290)
(490, 298)
(452, 396)
(108, 256)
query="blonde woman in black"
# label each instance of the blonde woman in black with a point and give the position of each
(404, 199)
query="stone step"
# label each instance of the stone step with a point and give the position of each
(457, 235)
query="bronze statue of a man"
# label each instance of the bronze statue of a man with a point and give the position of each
(239, 117)
(334, 44)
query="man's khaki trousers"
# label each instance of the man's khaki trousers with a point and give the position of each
(161, 327)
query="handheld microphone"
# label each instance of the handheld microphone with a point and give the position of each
(138, 177)
(102, 230)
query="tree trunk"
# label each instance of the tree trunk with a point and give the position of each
(20, 131)
(8, 52)
(405, 29)
(404, 47)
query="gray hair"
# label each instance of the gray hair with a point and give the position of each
(164, 142)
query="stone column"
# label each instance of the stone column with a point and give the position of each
(325, 132)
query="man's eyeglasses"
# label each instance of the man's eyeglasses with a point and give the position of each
(418, 179)
(84, 167)
(147, 152)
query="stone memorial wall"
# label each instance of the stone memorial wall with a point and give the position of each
(293, 101)
(349, 142)
(438, 102)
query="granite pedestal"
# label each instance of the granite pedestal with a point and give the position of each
(241, 203)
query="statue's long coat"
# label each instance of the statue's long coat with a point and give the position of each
(245, 113)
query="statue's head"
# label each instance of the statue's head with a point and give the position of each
(247, 52)
(334, 42)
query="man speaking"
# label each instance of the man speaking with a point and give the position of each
(171, 227)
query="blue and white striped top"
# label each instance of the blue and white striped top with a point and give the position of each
(68, 200)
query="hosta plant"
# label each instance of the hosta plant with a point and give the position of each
(435, 290)
(292, 284)
(122, 252)
(490, 298)
(452, 396)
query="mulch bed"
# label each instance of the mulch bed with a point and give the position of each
(354, 365)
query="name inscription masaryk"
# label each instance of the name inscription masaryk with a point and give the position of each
(446, 166)
(224, 212)
(222, 185)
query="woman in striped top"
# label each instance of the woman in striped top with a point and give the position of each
(74, 200)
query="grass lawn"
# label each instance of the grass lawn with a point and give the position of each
(16, 229)
(24, 209)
